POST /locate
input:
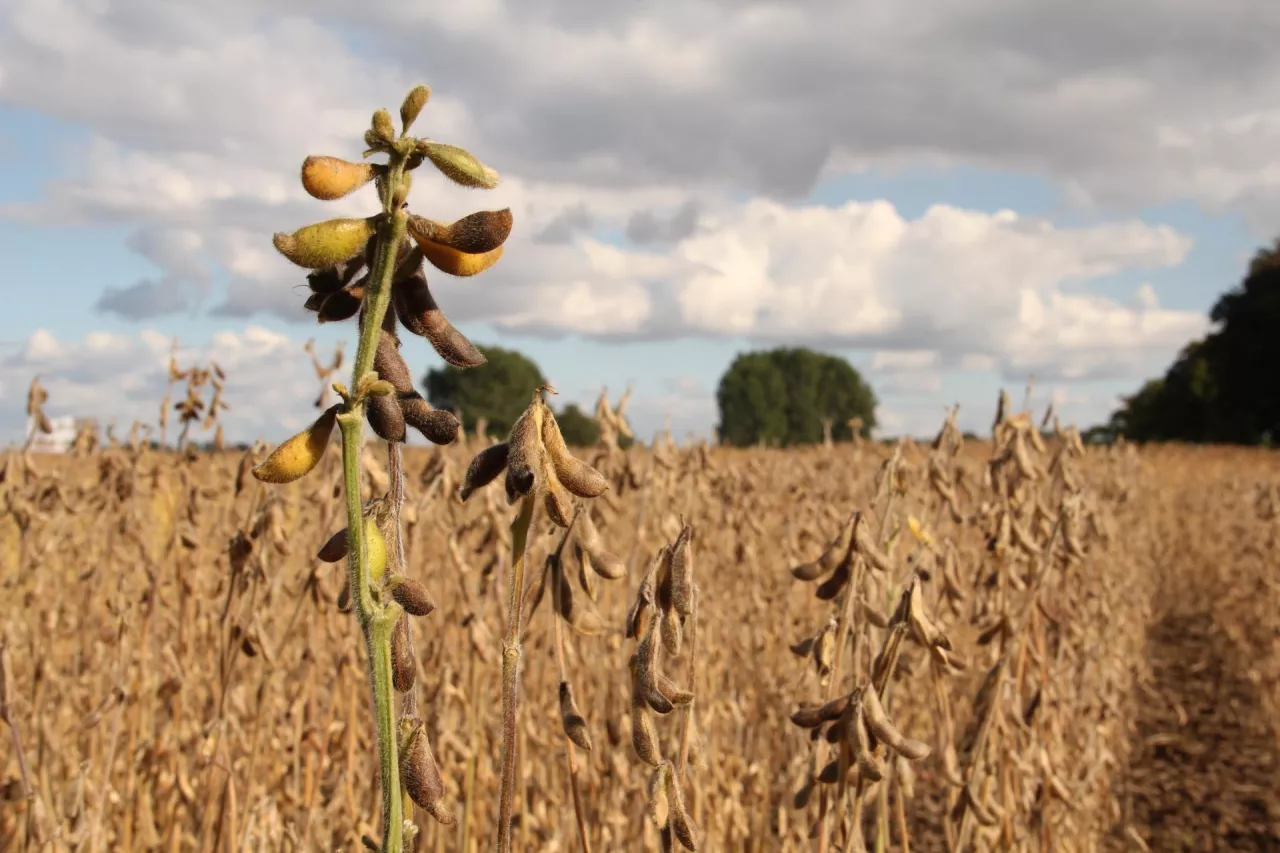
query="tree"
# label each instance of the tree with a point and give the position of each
(1225, 387)
(577, 427)
(497, 391)
(780, 396)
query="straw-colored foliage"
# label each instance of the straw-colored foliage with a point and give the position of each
(1085, 643)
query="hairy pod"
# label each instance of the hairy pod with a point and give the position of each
(324, 244)
(556, 499)
(674, 694)
(332, 279)
(419, 772)
(412, 595)
(484, 469)
(458, 165)
(417, 310)
(682, 572)
(329, 178)
(858, 741)
(576, 475)
(340, 306)
(831, 587)
(298, 456)
(524, 459)
(575, 727)
(404, 667)
(436, 425)
(646, 595)
(884, 729)
(644, 734)
(390, 365)
(647, 669)
(385, 417)
(813, 716)
(682, 826)
(412, 105)
(474, 234)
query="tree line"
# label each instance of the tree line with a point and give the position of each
(779, 397)
(1225, 387)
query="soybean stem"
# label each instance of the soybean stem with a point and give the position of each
(376, 621)
(511, 668)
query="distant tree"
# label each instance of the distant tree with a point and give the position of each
(781, 397)
(497, 391)
(579, 428)
(1225, 387)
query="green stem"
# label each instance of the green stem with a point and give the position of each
(511, 668)
(376, 621)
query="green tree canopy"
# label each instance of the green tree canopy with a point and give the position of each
(497, 391)
(1225, 387)
(578, 428)
(780, 396)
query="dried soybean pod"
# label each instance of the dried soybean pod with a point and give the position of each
(484, 469)
(437, 426)
(644, 735)
(390, 365)
(647, 668)
(884, 729)
(682, 825)
(523, 460)
(417, 310)
(412, 595)
(575, 727)
(674, 694)
(576, 475)
(420, 773)
(385, 417)
(659, 807)
(682, 572)
(335, 548)
(403, 664)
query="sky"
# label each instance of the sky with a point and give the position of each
(955, 195)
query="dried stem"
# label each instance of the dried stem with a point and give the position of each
(578, 813)
(511, 667)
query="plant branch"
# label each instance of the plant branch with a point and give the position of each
(376, 621)
(511, 667)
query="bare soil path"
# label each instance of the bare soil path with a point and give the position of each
(1204, 772)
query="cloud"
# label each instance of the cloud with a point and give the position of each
(690, 130)
(565, 226)
(645, 227)
(118, 378)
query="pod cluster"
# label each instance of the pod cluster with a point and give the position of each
(343, 257)
(663, 613)
(536, 462)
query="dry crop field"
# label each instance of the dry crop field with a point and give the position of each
(1018, 645)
